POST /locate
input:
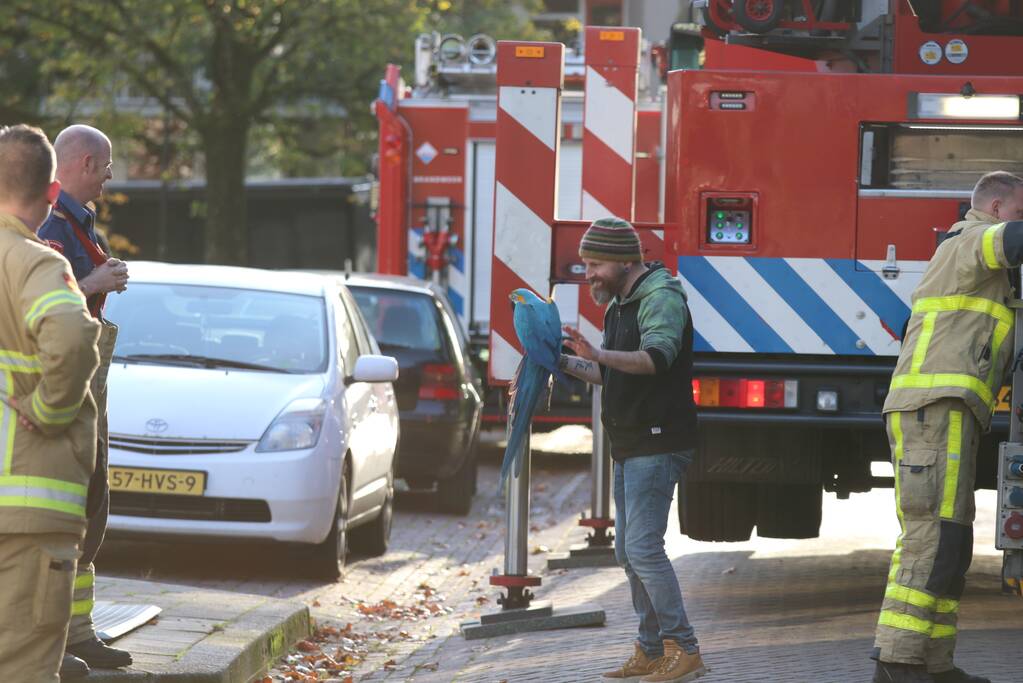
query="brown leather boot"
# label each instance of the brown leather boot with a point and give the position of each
(639, 665)
(676, 666)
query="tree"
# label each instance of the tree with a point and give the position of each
(219, 68)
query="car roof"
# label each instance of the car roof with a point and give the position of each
(291, 282)
(379, 281)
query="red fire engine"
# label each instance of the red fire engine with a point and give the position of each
(810, 167)
(436, 174)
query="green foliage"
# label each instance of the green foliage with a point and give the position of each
(228, 85)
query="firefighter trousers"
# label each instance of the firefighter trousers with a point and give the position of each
(934, 452)
(98, 505)
(36, 574)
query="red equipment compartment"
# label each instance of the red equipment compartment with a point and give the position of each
(799, 151)
(438, 151)
(880, 221)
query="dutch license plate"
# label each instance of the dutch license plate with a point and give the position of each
(144, 480)
(1003, 400)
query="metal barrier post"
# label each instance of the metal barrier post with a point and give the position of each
(529, 79)
(516, 537)
(600, 473)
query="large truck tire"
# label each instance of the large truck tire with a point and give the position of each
(789, 510)
(717, 512)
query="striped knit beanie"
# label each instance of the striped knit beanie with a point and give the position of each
(611, 239)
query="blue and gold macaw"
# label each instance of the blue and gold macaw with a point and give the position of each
(538, 326)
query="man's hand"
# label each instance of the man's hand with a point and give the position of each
(111, 276)
(579, 345)
(22, 420)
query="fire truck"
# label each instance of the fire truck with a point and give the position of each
(436, 178)
(808, 169)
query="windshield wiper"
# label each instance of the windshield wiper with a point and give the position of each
(201, 361)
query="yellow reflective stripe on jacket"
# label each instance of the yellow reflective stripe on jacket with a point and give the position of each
(906, 622)
(952, 452)
(947, 606)
(8, 420)
(19, 362)
(44, 493)
(47, 414)
(910, 596)
(920, 350)
(990, 259)
(87, 580)
(896, 423)
(924, 381)
(49, 300)
(80, 608)
(997, 339)
(961, 302)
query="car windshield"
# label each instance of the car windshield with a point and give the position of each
(219, 327)
(400, 319)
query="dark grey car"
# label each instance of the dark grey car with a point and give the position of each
(439, 391)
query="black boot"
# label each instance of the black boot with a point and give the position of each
(99, 655)
(72, 668)
(957, 675)
(890, 672)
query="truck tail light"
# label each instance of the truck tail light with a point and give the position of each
(439, 382)
(747, 393)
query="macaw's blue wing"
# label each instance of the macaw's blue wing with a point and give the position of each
(552, 323)
(538, 326)
(527, 386)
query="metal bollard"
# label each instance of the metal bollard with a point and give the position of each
(600, 464)
(516, 516)
(600, 519)
(516, 578)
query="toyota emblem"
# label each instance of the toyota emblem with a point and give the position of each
(156, 426)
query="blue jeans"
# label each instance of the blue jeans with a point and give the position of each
(643, 489)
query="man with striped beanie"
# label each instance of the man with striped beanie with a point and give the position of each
(645, 366)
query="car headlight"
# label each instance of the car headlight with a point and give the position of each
(297, 427)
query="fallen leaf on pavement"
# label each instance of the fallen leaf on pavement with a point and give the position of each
(306, 646)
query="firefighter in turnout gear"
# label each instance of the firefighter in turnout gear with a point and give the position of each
(47, 416)
(955, 354)
(83, 166)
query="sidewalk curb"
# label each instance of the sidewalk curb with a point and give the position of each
(238, 652)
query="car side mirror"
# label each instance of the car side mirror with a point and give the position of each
(370, 368)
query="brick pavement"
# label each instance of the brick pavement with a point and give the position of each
(766, 610)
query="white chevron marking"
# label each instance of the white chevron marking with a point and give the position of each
(846, 304)
(768, 304)
(909, 277)
(504, 358)
(609, 114)
(710, 324)
(535, 108)
(590, 331)
(522, 240)
(593, 209)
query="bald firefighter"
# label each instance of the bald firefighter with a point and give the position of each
(47, 416)
(955, 354)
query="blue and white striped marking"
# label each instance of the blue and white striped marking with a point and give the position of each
(457, 281)
(795, 305)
